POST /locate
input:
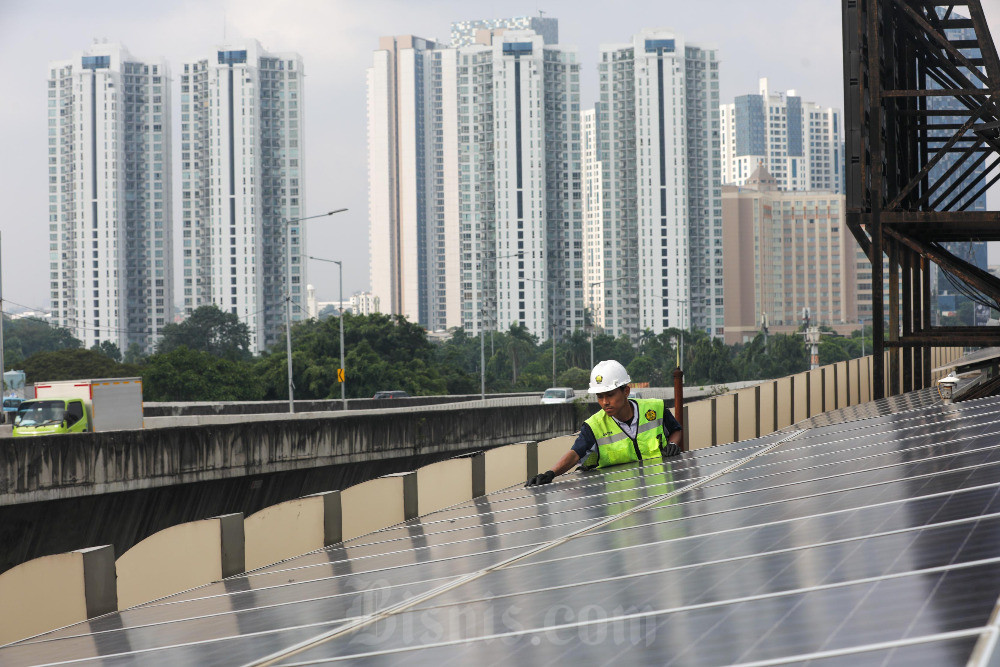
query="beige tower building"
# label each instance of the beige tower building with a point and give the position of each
(785, 252)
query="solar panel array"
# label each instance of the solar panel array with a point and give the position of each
(874, 541)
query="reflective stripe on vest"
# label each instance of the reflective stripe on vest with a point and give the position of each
(614, 447)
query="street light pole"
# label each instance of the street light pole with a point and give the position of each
(288, 298)
(482, 319)
(343, 369)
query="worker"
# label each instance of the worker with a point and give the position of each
(623, 431)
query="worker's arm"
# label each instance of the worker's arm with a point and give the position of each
(674, 436)
(568, 460)
(585, 441)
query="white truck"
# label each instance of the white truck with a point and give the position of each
(79, 406)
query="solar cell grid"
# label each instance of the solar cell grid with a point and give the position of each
(867, 542)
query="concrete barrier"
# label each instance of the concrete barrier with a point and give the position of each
(181, 557)
(725, 418)
(292, 528)
(510, 465)
(444, 484)
(54, 591)
(699, 424)
(551, 450)
(378, 503)
(73, 465)
(747, 409)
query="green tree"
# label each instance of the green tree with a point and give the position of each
(27, 336)
(184, 374)
(74, 364)
(773, 356)
(578, 378)
(134, 354)
(211, 330)
(711, 362)
(108, 349)
(382, 352)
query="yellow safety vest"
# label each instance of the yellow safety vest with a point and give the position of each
(615, 448)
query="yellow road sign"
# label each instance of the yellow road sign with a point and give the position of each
(340, 375)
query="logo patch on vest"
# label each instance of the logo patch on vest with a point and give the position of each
(599, 379)
(650, 415)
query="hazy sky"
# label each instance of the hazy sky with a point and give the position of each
(795, 43)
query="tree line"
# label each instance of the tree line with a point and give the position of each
(207, 357)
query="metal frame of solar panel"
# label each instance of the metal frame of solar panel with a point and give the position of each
(874, 541)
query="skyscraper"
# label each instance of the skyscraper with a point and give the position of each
(413, 180)
(800, 143)
(111, 274)
(657, 142)
(521, 209)
(464, 33)
(242, 176)
(786, 251)
(474, 173)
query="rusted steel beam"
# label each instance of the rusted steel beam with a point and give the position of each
(937, 157)
(958, 181)
(939, 38)
(975, 337)
(954, 92)
(968, 273)
(956, 165)
(936, 217)
(987, 47)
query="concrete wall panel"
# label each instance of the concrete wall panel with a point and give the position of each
(444, 484)
(551, 450)
(784, 401)
(290, 529)
(854, 367)
(831, 375)
(746, 411)
(725, 418)
(699, 424)
(800, 403)
(865, 380)
(373, 505)
(53, 591)
(179, 558)
(815, 380)
(767, 394)
(507, 466)
(843, 384)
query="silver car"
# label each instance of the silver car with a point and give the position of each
(558, 395)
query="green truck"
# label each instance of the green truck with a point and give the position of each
(80, 406)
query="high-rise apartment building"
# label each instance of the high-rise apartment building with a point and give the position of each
(595, 233)
(657, 141)
(800, 143)
(786, 251)
(474, 174)
(110, 271)
(413, 180)
(464, 33)
(242, 177)
(521, 209)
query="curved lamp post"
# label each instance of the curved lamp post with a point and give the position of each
(340, 270)
(288, 298)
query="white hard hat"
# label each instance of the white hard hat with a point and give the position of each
(608, 375)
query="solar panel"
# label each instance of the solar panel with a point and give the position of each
(867, 541)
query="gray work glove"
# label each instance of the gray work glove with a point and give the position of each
(670, 449)
(544, 478)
